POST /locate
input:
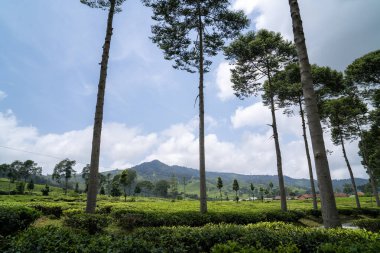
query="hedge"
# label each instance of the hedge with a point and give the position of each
(128, 219)
(14, 218)
(267, 237)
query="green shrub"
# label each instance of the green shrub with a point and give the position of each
(372, 225)
(260, 237)
(350, 248)
(92, 223)
(234, 247)
(47, 209)
(15, 218)
(128, 219)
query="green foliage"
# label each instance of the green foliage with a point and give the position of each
(372, 225)
(234, 247)
(15, 218)
(128, 219)
(257, 55)
(49, 209)
(261, 237)
(30, 185)
(92, 223)
(161, 188)
(45, 191)
(20, 187)
(127, 178)
(178, 20)
(345, 115)
(64, 170)
(365, 70)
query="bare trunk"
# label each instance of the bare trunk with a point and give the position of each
(372, 178)
(281, 183)
(202, 162)
(350, 171)
(95, 152)
(329, 210)
(66, 183)
(312, 186)
(373, 182)
(221, 198)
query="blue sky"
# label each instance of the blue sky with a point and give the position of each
(49, 73)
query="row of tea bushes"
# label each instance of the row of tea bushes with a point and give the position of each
(260, 237)
(372, 225)
(131, 219)
(14, 218)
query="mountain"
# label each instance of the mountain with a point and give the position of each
(156, 170)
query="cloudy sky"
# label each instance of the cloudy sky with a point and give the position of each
(49, 69)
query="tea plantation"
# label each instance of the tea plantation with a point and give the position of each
(57, 223)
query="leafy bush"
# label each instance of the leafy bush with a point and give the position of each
(260, 237)
(15, 218)
(92, 223)
(368, 224)
(46, 209)
(234, 247)
(350, 248)
(128, 219)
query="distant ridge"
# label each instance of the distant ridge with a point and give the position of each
(157, 170)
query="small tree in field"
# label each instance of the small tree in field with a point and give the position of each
(45, 191)
(235, 187)
(30, 186)
(64, 170)
(189, 31)
(219, 185)
(252, 191)
(127, 179)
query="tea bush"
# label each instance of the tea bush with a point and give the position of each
(14, 218)
(368, 224)
(260, 237)
(48, 209)
(92, 223)
(129, 219)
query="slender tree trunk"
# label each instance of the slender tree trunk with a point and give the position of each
(312, 186)
(66, 183)
(220, 191)
(349, 170)
(372, 178)
(373, 182)
(278, 150)
(329, 210)
(95, 152)
(202, 162)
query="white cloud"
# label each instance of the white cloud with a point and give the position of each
(2, 95)
(123, 147)
(223, 82)
(333, 34)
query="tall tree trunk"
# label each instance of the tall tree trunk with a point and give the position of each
(372, 178)
(373, 182)
(349, 170)
(312, 186)
(281, 183)
(66, 183)
(202, 162)
(329, 210)
(95, 152)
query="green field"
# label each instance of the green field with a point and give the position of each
(57, 221)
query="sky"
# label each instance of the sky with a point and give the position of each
(49, 71)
